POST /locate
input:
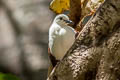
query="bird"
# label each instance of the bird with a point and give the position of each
(61, 38)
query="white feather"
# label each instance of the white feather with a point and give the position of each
(61, 38)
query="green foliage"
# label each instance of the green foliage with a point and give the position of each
(8, 77)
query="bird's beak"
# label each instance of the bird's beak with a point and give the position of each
(69, 22)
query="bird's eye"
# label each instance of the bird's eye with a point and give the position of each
(61, 18)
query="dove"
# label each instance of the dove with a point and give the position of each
(61, 38)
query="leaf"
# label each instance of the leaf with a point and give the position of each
(8, 77)
(58, 6)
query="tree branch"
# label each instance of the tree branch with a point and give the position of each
(85, 56)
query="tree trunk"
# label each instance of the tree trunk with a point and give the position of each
(95, 54)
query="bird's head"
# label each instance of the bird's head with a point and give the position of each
(62, 20)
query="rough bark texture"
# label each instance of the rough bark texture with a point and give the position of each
(95, 54)
(75, 11)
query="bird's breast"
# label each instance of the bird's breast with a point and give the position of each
(63, 40)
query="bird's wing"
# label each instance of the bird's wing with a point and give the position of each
(52, 58)
(52, 62)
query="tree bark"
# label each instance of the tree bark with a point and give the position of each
(75, 12)
(95, 54)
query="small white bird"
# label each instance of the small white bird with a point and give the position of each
(61, 38)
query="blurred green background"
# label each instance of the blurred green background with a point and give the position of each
(24, 28)
(8, 77)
